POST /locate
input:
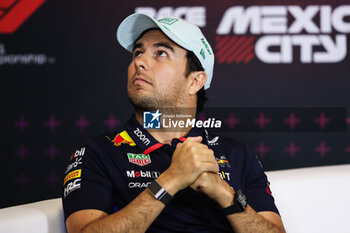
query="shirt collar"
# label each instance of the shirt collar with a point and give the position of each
(144, 139)
(141, 137)
(194, 132)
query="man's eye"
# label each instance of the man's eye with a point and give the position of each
(137, 53)
(162, 54)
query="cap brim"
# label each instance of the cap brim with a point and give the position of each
(132, 27)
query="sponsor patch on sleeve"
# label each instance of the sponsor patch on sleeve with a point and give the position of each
(72, 175)
(71, 186)
(78, 153)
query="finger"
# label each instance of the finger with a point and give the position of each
(210, 167)
(200, 181)
(206, 154)
(195, 139)
(195, 186)
(197, 183)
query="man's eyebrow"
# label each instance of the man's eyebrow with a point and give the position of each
(159, 44)
(137, 45)
(164, 44)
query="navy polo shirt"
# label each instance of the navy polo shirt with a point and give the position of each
(107, 172)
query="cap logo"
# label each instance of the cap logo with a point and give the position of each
(168, 21)
(206, 45)
(202, 53)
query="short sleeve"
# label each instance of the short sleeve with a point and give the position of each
(257, 189)
(86, 185)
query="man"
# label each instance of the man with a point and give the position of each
(166, 180)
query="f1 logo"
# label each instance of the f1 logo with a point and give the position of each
(13, 13)
(151, 120)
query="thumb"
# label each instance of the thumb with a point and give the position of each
(178, 144)
(195, 139)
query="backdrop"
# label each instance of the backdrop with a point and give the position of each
(281, 81)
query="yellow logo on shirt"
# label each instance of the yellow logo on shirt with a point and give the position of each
(123, 137)
(72, 175)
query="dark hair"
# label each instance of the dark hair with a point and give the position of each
(193, 64)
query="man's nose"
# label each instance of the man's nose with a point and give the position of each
(142, 62)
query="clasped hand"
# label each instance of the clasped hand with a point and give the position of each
(193, 164)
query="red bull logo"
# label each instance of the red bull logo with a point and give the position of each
(123, 137)
(223, 162)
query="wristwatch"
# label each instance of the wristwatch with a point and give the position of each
(239, 204)
(159, 192)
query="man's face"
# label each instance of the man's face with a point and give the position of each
(156, 74)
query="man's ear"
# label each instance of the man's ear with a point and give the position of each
(196, 80)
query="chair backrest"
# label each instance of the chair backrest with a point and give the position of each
(313, 199)
(38, 217)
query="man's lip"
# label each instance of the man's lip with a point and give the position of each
(139, 79)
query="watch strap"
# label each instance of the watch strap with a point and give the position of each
(159, 192)
(232, 209)
(239, 204)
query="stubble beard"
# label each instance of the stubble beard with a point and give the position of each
(162, 100)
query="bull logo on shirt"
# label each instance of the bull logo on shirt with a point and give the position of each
(123, 137)
(223, 162)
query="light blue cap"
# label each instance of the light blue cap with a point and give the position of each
(184, 34)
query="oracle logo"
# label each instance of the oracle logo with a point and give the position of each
(13, 13)
(138, 185)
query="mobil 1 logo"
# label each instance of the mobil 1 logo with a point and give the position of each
(143, 174)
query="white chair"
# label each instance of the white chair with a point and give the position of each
(313, 200)
(38, 217)
(310, 200)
